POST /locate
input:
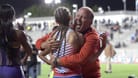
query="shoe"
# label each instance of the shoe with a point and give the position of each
(108, 71)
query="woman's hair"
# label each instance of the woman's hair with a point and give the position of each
(54, 28)
(62, 16)
(7, 33)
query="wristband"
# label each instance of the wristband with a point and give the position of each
(101, 45)
(55, 62)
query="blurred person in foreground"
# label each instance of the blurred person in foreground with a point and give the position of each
(87, 57)
(10, 42)
(32, 63)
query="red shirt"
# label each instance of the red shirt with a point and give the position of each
(91, 46)
(90, 69)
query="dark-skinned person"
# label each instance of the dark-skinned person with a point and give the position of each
(10, 42)
(87, 57)
(70, 42)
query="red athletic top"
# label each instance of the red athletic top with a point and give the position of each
(91, 46)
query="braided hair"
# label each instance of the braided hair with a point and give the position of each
(7, 33)
(62, 17)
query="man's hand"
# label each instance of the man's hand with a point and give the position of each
(103, 38)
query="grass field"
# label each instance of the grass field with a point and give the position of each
(118, 71)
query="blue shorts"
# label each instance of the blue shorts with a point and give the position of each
(10, 72)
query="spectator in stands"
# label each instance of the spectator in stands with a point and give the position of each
(134, 37)
(109, 53)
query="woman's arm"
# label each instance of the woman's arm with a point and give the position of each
(47, 42)
(23, 41)
(42, 55)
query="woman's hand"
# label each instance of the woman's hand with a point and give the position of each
(51, 44)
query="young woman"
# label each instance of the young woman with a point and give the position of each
(10, 42)
(70, 42)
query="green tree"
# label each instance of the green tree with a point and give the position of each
(95, 8)
(43, 10)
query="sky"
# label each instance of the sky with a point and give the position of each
(20, 5)
(114, 4)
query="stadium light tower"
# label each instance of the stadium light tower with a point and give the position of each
(75, 8)
(136, 5)
(124, 2)
(109, 8)
(52, 1)
(84, 3)
(57, 1)
(48, 1)
(100, 10)
(28, 15)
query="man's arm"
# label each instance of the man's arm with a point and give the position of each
(40, 41)
(89, 48)
(88, 51)
(103, 39)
